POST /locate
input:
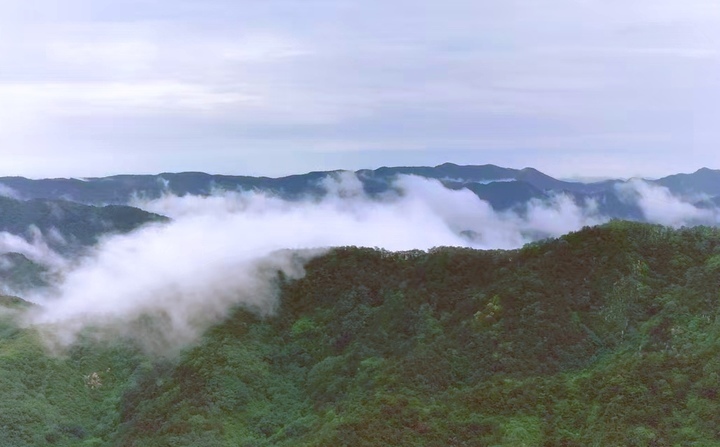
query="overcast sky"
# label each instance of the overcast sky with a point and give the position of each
(272, 87)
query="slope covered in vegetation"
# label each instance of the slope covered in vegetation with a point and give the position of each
(607, 336)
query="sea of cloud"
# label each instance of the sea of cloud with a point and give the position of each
(165, 283)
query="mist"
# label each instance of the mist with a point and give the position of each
(34, 247)
(660, 206)
(164, 284)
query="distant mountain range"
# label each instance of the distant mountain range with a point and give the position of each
(67, 216)
(503, 188)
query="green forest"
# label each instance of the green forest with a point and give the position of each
(608, 336)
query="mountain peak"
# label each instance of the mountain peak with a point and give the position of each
(447, 165)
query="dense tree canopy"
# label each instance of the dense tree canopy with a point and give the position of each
(606, 336)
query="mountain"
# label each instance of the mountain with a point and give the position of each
(606, 336)
(446, 171)
(19, 274)
(504, 195)
(122, 189)
(69, 225)
(34, 232)
(703, 182)
(503, 188)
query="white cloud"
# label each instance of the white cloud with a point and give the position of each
(659, 205)
(34, 248)
(223, 250)
(561, 216)
(6, 191)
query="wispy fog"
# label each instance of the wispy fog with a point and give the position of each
(34, 247)
(660, 206)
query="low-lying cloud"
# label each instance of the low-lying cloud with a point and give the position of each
(659, 205)
(166, 283)
(34, 247)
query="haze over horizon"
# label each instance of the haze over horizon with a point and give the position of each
(591, 88)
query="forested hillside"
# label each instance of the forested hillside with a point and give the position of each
(607, 336)
(70, 225)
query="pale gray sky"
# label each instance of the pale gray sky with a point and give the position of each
(572, 87)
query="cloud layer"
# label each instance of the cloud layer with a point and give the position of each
(165, 283)
(660, 206)
(224, 250)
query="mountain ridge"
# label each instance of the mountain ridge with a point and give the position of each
(122, 188)
(604, 336)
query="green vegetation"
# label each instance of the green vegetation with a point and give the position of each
(608, 336)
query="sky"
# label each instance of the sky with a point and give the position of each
(587, 88)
